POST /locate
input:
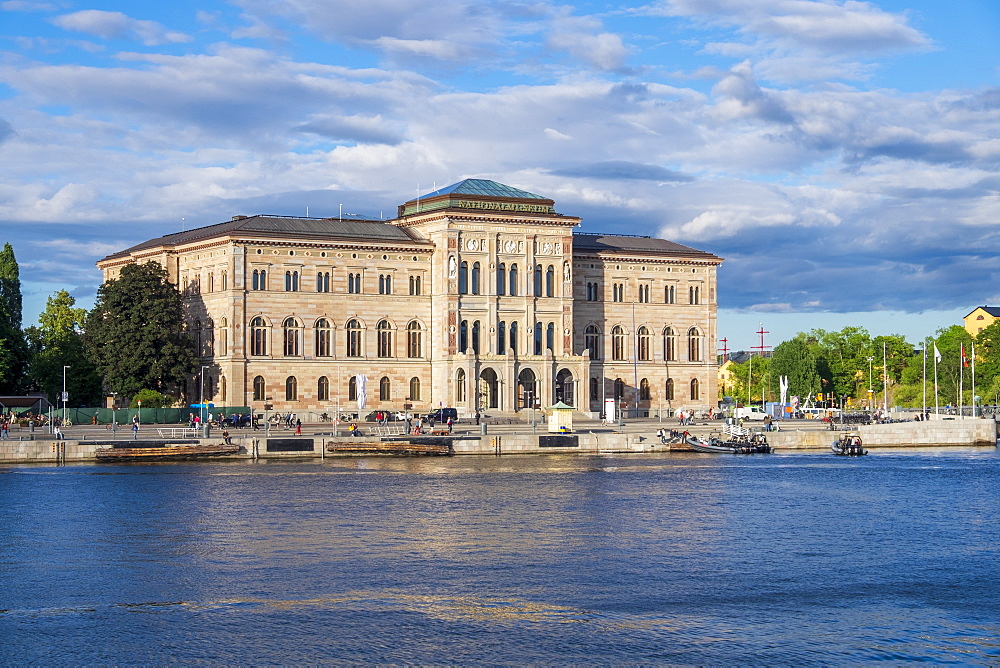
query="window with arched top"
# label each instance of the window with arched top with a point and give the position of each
(383, 389)
(694, 345)
(475, 337)
(474, 281)
(643, 343)
(323, 389)
(463, 278)
(501, 279)
(384, 331)
(291, 281)
(324, 338)
(595, 389)
(695, 389)
(414, 389)
(224, 337)
(460, 386)
(501, 338)
(352, 388)
(512, 287)
(258, 336)
(414, 340)
(258, 388)
(463, 336)
(668, 392)
(537, 338)
(291, 334)
(644, 389)
(617, 343)
(291, 389)
(592, 341)
(512, 338)
(550, 337)
(619, 389)
(196, 334)
(550, 281)
(353, 330)
(669, 344)
(538, 281)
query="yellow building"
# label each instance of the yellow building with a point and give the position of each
(981, 318)
(477, 296)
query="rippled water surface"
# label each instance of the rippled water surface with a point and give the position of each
(647, 559)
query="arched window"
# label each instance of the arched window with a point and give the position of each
(695, 389)
(538, 281)
(211, 282)
(595, 389)
(670, 294)
(414, 389)
(669, 390)
(259, 279)
(225, 281)
(694, 345)
(512, 273)
(354, 283)
(323, 338)
(550, 337)
(538, 338)
(501, 279)
(258, 388)
(224, 337)
(694, 294)
(196, 331)
(222, 389)
(323, 389)
(291, 281)
(463, 336)
(475, 337)
(354, 338)
(643, 344)
(463, 278)
(352, 388)
(290, 336)
(414, 285)
(414, 340)
(501, 338)
(619, 389)
(513, 337)
(258, 336)
(475, 279)
(592, 341)
(618, 343)
(323, 281)
(550, 281)
(385, 284)
(644, 389)
(669, 345)
(384, 330)
(383, 389)
(460, 386)
(210, 337)
(291, 389)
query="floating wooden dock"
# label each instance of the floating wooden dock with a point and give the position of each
(390, 448)
(185, 451)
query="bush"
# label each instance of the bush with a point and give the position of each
(151, 399)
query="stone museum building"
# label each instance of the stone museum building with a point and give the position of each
(476, 296)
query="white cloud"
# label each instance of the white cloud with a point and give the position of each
(116, 25)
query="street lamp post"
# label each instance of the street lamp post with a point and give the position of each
(871, 396)
(64, 397)
(201, 391)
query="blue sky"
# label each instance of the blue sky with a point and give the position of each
(842, 156)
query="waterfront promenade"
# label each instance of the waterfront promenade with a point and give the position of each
(513, 435)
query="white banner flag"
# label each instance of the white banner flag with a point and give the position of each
(362, 385)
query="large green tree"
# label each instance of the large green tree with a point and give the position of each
(13, 348)
(58, 342)
(135, 332)
(795, 360)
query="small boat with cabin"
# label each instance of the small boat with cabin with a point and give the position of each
(849, 445)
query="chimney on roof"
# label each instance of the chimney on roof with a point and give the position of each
(235, 218)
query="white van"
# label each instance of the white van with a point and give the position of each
(750, 413)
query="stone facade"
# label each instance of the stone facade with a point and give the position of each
(476, 296)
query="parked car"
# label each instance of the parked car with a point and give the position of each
(442, 415)
(236, 420)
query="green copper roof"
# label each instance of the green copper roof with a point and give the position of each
(483, 187)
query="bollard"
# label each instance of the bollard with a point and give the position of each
(482, 428)
(206, 431)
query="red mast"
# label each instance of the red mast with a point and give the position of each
(724, 349)
(761, 348)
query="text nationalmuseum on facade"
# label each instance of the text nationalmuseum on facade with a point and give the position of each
(478, 296)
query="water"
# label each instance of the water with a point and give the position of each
(650, 559)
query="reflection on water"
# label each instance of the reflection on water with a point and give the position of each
(686, 559)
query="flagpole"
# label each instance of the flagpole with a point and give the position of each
(885, 383)
(961, 382)
(924, 414)
(937, 409)
(973, 379)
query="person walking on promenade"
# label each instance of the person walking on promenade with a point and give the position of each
(4, 429)
(450, 425)
(298, 427)
(135, 430)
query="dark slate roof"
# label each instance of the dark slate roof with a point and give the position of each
(483, 187)
(285, 226)
(596, 243)
(992, 310)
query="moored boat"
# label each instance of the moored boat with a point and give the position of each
(390, 448)
(849, 445)
(166, 452)
(754, 444)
